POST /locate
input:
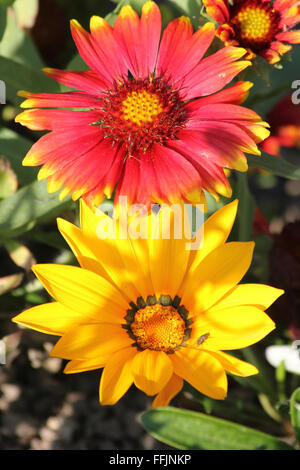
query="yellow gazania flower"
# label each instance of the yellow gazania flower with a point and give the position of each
(151, 312)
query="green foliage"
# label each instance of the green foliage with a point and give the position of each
(295, 412)
(275, 165)
(2, 21)
(185, 429)
(31, 204)
(187, 7)
(14, 147)
(6, 3)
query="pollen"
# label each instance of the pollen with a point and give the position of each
(139, 113)
(141, 106)
(254, 23)
(158, 327)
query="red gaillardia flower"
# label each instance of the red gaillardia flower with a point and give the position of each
(284, 120)
(263, 27)
(137, 124)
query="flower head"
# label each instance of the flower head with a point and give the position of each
(148, 116)
(263, 27)
(150, 311)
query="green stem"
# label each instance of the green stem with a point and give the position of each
(268, 407)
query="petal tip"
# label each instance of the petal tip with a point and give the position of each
(148, 7)
(127, 11)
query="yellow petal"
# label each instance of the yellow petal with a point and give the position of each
(80, 245)
(83, 291)
(233, 365)
(116, 376)
(231, 328)
(169, 249)
(258, 295)
(124, 260)
(172, 388)
(91, 341)
(74, 366)
(217, 274)
(216, 231)
(202, 371)
(151, 370)
(52, 318)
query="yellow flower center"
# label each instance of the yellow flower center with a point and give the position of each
(254, 23)
(158, 327)
(141, 106)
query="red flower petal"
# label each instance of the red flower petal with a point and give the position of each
(72, 99)
(181, 50)
(51, 119)
(87, 81)
(214, 72)
(139, 38)
(292, 37)
(218, 10)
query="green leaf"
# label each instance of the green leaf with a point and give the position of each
(31, 204)
(6, 3)
(295, 412)
(185, 429)
(3, 17)
(17, 43)
(275, 165)
(23, 77)
(187, 7)
(14, 147)
(246, 207)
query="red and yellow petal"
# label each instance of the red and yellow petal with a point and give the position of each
(218, 10)
(214, 72)
(56, 119)
(89, 53)
(107, 46)
(139, 38)
(70, 99)
(87, 81)
(51, 148)
(235, 94)
(291, 37)
(226, 33)
(181, 50)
